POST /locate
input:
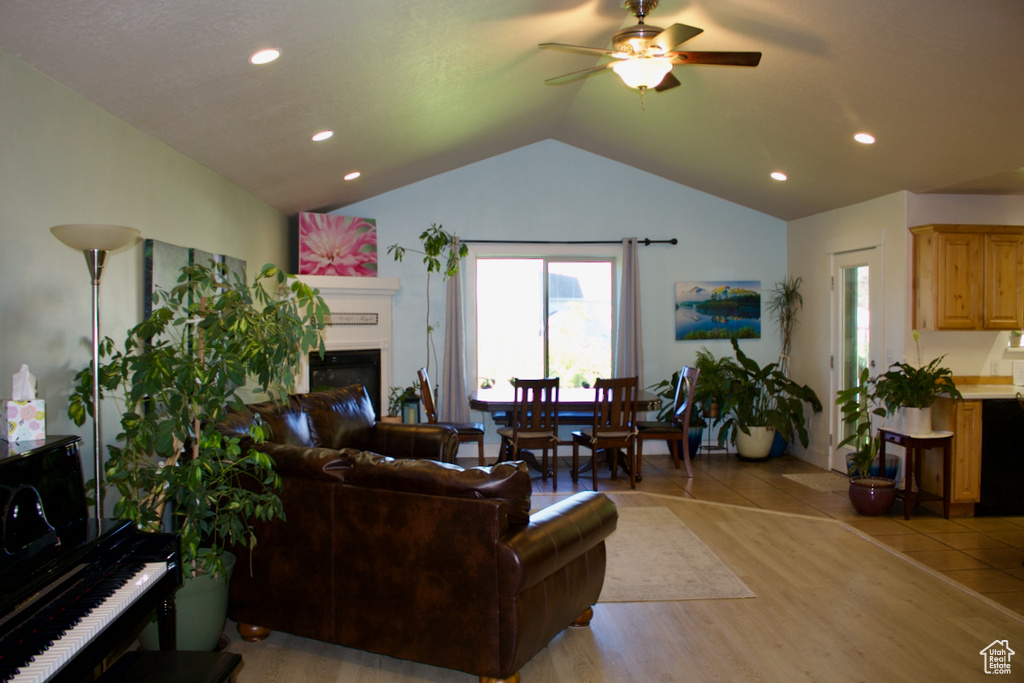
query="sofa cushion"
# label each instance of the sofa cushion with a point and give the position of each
(508, 483)
(338, 417)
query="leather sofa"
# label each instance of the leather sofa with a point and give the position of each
(408, 556)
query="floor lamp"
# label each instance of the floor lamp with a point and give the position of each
(95, 241)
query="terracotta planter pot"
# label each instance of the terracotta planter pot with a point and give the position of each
(872, 496)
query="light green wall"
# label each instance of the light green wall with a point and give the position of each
(551, 191)
(65, 160)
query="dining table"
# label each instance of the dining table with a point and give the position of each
(575, 404)
(575, 407)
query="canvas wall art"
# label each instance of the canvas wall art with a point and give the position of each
(162, 264)
(337, 245)
(718, 310)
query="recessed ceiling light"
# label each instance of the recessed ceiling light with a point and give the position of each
(352, 176)
(779, 175)
(323, 135)
(265, 56)
(865, 138)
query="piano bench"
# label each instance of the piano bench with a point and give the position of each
(173, 667)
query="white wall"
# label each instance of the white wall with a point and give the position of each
(810, 241)
(551, 191)
(65, 160)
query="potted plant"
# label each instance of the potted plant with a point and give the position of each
(442, 253)
(871, 493)
(713, 384)
(397, 398)
(912, 390)
(782, 306)
(1015, 339)
(761, 401)
(178, 373)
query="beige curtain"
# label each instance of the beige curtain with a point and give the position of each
(629, 348)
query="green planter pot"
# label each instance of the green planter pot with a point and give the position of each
(201, 609)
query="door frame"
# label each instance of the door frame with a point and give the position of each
(870, 255)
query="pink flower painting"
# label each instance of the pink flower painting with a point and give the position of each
(337, 245)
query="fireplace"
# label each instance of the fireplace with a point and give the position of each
(357, 338)
(342, 368)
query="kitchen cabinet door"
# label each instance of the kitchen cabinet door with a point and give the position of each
(1004, 286)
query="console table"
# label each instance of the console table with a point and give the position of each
(913, 445)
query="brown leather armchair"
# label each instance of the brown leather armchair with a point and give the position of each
(421, 560)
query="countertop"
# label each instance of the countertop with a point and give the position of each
(978, 392)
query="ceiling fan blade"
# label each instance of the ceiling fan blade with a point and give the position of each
(667, 83)
(722, 58)
(672, 36)
(579, 49)
(576, 75)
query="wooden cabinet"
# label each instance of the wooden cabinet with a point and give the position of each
(968, 277)
(963, 418)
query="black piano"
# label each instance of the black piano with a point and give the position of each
(73, 589)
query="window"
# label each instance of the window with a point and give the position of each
(544, 316)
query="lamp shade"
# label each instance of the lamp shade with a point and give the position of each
(87, 236)
(642, 72)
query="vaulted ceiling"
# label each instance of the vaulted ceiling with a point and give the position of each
(413, 88)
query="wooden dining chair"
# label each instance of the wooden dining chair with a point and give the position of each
(467, 431)
(677, 428)
(614, 426)
(533, 423)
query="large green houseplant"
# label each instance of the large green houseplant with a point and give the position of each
(763, 399)
(208, 339)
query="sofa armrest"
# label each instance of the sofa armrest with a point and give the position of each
(555, 536)
(405, 441)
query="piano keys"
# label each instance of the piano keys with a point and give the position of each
(74, 589)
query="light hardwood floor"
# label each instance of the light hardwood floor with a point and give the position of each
(833, 604)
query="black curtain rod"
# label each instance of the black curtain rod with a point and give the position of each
(645, 241)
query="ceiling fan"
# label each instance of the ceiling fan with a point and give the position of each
(644, 55)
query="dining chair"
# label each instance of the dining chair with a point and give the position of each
(467, 431)
(677, 428)
(533, 423)
(614, 426)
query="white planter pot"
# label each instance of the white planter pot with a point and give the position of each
(916, 421)
(756, 445)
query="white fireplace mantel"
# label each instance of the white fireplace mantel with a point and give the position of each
(360, 318)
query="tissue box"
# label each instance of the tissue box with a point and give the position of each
(26, 420)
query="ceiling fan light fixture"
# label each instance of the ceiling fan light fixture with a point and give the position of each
(642, 72)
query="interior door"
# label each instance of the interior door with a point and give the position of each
(857, 314)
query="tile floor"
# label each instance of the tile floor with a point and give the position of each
(983, 553)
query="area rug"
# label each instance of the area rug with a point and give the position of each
(821, 481)
(652, 556)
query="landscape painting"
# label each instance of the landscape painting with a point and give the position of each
(718, 310)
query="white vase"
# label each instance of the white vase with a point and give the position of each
(916, 421)
(756, 445)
